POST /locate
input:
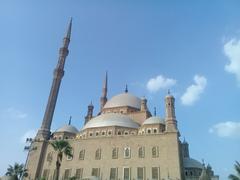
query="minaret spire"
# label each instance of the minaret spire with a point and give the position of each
(70, 120)
(44, 131)
(155, 111)
(126, 88)
(103, 99)
(69, 29)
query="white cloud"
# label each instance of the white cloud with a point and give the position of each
(226, 129)
(29, 134)
(193, 92)
(15, 113)
(160, 82)
(232, 51)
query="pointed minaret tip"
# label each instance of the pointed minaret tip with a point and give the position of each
(168, 92)
(70, 120)
(69, 29)
(155, 111)
(126, 89)
(106, 80)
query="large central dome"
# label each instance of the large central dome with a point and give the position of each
(124, 99)
(111, 119)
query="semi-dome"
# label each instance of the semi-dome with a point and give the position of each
(154, 120)
(124, 99)
(68, 128)
(111, 119)
(191, 163)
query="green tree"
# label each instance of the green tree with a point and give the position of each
(61, 147)
(17, 171)
(237, 168)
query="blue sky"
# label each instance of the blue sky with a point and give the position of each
(190, 47)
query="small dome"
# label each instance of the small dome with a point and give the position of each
(154, 120)
(191, 163)
(124, 99)
(111, 119)
(68, 128)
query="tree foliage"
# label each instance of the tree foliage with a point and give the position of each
(61, 147)
(17, 171)
(237, 169)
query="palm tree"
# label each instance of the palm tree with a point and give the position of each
(61, 147)
(237, 168)
(17, 171)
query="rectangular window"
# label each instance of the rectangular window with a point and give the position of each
(46, 173)
(98, 154)
(96, 172)
(79, 173)
(126, 174)
(141, 152)
(67, 174)
(82, 154)
(155, 173)
(115, 153)
(140, 173)
(113, 174)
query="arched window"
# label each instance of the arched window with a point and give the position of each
(50, 156)
(70, 157)
(115, 153)
(127, 152)
(141, 152)
(155, 152)
(82, 154)
(98, 154)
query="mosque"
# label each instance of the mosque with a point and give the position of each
(124, 141)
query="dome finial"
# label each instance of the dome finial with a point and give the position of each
(70, 120)
(126, 89)
(169, 92)
(155, 111)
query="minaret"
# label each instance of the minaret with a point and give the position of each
(171, 123)
(185, 149)
(103, 99)
(44, 131)
(143, 104)
(89, 113)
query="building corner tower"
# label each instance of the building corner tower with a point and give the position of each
(44, 131)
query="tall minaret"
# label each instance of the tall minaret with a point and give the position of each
(44, 131)
(103, 99)
(171, 123)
